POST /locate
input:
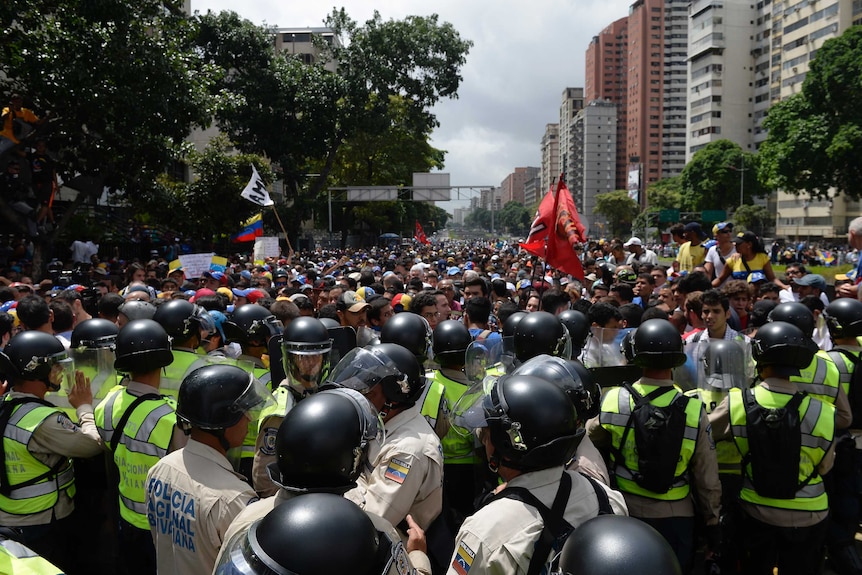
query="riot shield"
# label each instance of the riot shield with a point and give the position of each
(276, 360)
(343, 340)
(605, 357)
(476, 362)
(720, 368)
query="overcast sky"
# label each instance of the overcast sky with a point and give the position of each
(524, 54)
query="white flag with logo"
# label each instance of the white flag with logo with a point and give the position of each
(255, 191)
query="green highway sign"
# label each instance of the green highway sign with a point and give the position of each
(714, 215)
(668, 216)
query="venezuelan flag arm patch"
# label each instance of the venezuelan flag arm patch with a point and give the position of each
(397, 470)
(463, 559)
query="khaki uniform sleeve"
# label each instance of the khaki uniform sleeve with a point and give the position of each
(391, 492)
(599, 435)
(420, 562)
(704, 473)
(719, 419)
(473, 557)
(61, 436)
(264, 454)
(589, 461)
(843, 414)
(224, 512)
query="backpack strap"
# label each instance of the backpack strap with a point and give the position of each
(555, 526)
(6, 409)
(602, 496)
(124, 419)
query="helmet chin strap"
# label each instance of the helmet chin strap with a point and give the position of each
(387, 407)
(51, 386)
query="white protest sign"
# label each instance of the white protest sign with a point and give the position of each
(194, 265)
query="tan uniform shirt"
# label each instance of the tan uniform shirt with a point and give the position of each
(55, 439)
(405, 474)
(588, 460)
(500, 537)
(720, 418)
(703, 474)
(259, 509)
(193, 495)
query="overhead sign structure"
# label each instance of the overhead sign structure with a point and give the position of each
(431, 187)
(372, 193)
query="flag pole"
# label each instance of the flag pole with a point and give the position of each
(287, 239)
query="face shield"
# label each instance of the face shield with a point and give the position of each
(604, 347)
(253, 400)
(361, 370)
(306, 365)
(266, 327)
(468, 414)
(476, 360)
(723, 366)
(59, 370)
(97, 364)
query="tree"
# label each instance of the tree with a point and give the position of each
(619, 209)
(665, 194)
(815, 136)
(711, 180)
(302, 115)
(478, 218)
(120, 80)
(515, 218)
(755, 218)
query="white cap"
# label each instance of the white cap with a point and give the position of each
(633, 241)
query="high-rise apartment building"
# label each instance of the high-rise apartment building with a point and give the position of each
(550, 157)
(512, 186)
(594, 169)
(606, 73)
(572, 102)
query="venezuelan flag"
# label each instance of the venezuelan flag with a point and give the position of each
(252, 228)
(826, 257)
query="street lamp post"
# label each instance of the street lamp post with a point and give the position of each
(741, 169)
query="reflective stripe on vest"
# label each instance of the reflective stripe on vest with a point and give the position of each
(844, 366)
(817, 428)
(457, 449)
(18, 559)
(820, 379)
(173, 374)
(146, 439)
(21, 466)
(728, 456)
(247, 450)
(616, 408)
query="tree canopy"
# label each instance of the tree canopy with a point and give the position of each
(619, 209)
(815, 135)
(712, 179)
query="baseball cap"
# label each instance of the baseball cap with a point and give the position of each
(203, 292)
(813, 280)
(252, 295)
(227, 292)
(745, 237)
(633, 241)
(755, 277)
(453, 271)
(695, 227)
(401, 302)
(351, 302)
(721, 226)
(218, 276)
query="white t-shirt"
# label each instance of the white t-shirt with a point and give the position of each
(717, 259)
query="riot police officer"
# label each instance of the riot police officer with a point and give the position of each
(39, 441)
(194, 493)
(412, 331)
(186, 324)
(305, 352)
(406, 472)
(540, 333)
(138, 426)
(529, 429)
(579, 330)
(252, 326)
(659, 444)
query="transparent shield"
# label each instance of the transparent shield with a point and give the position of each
(604, 347)
(476, 361)
(469, 412)
(722, 366)
(361, 370)
(98, 365)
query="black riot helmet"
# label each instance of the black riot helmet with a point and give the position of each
(94, 333)
(252, 324)
(844, 318)
(533, 424)
(215, 397)
(451, 340)
(512, 321)
(410, 330)
(321, 444)
(572, 377)
(386, 364)
(183, 320)
(579, 329)
(616, 544)
(782, 344)
(328, 322)
(142, 345)
(305, 354)
(540, 333)
(38, 356)
(137, 309)
(657, 345)
(333, 535)
(796, 313)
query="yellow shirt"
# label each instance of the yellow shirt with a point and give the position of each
(689, 256)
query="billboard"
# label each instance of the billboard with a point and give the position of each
(431, 187)
(634, 182)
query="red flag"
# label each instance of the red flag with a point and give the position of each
(419, 235)
(567, 232)
(536, 241)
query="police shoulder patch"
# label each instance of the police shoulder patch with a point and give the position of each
(397, 470)
(66, 423)
(267, 445)
(463, 559)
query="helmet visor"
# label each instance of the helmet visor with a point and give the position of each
(306, 366)
(205, 320)
(98, 365)
(470, 412)
(604, 347)
(723, 365)
(361, 370)
(254, 399)
(242, 556)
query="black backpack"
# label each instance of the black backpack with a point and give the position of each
(659, 433)
(854, 393)
(774, 441)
